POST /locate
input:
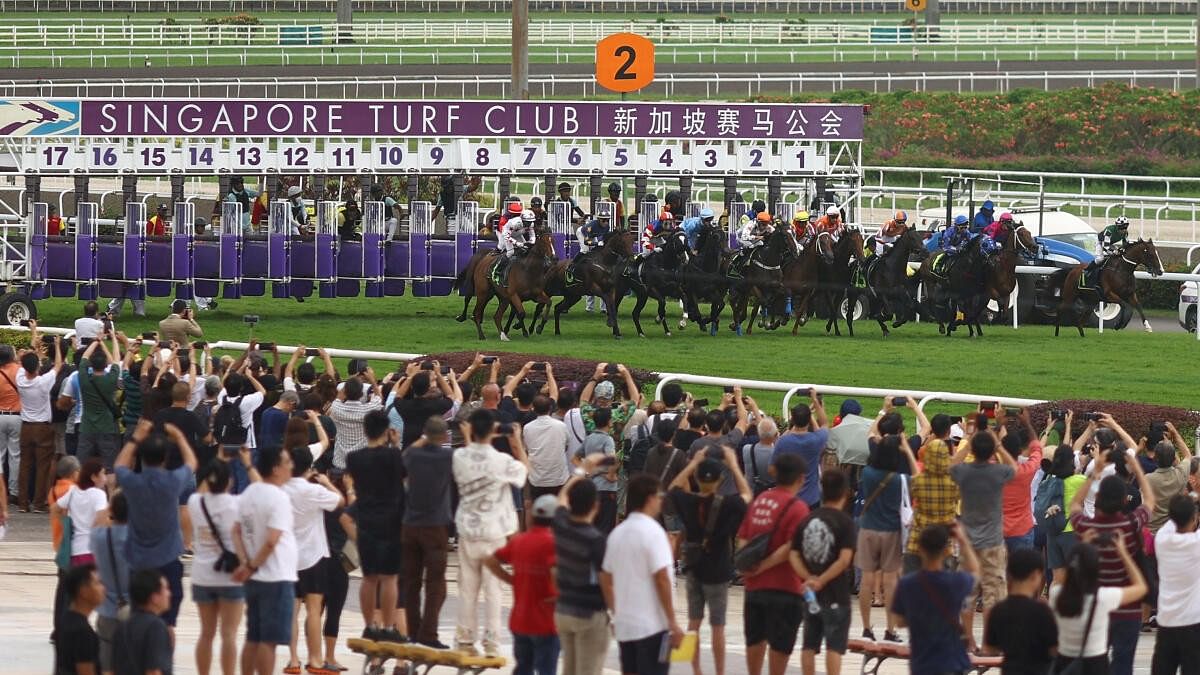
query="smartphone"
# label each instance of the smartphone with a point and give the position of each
(727, 390)
(229, 450)
(1012, 412)
(489, 360)
(150, 336)
(540, 365)
(1091, 417)
(610, 369)
(266, 346)
(989, 408)
(182, 351)
(445, 370)
(1058, 414)
(900, 401)
(427, 365)
(199, 345)
(312, 352)
(700, 403)
(250, 318)
(48, 339)
(164, 345)
(25, 323)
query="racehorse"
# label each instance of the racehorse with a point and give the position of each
(526, 276)
(706, 277)
(800, 278)
(958, 285)
(1116, 284)
(591, 273)
(653, 275)
(833, 272)
(886, 284)
(762, 278)
(1000, 278)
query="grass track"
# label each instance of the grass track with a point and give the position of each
(1030, 362)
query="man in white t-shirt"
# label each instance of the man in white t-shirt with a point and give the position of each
(37, 432)
(637, 579)
(1177, 547)
(545, 441)
(267, 547)
(89, 326)
(236, 387)
(310, 501)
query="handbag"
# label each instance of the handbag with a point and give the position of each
(693, 551)
(906, 510)
(228, 561)
(349, 556)
(62, 555)
(122, 601)
(756, 550)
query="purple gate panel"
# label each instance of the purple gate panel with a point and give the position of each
(327, 260)
(230, 266)
(60, 264)
(419, 254)
(464, 243)
(181, 259)
(375, 264)
(349, 269)
(158, 266)
(135, 257)
(443, 267)
(255, 267)
(398, 266)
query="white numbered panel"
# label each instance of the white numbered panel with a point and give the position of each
(483, 156)
(344, 157)
(294, 156)
(53, 156)
(575, 157)
(623, 157)
(756, 159)
(801, 158)
(712, 159)
(391, 157)
(528, 157)
(106, 156)
(203, 157)
(155, 157)
(437, 156)
(666, 157)
(249, 156)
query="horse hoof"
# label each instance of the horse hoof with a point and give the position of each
(1148, 328)
(616, 337)
(504, 337)
(713, 330)
(942, 330)
(641, 334)
(460, 318)
(682, 324)
(737, 330)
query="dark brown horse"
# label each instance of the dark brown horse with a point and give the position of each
(886, 284)
(526, 279)
(590, 273)
(1116, 284)
(1000, 278)
(833, 274)
(762, 279)
(800, 280)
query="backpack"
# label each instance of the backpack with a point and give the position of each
(227, 422)
(204, 410)
(635, 457)
(1050, 493)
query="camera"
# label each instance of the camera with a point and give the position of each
(1091, 417)
(266, 346)
(445, 370)
(540, 365)
(312, 352)
(1058, 414)
(504, 428)
(427, 365)
(250, 319)
(489, 360)
(610, 369)
(727, 389)
(164, 345)
(48, 339)
(25, 323)
(1012, 412)
(150, 335)
(700, 403)
(900, 400)
(199, 345)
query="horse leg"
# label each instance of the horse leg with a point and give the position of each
(482, 296)
(503, 304)
(520, 306)
(714, 317)
(462, 316)
(851, 301)
(1132, 299)
(637, 312)
(662, 315)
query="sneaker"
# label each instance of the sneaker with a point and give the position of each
(392, 635)
(372, 633)
(491, 648)
(890, 636)
(467, 648)
(868, 634)
(187, 554)
(433, 644)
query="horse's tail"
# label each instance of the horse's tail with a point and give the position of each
(464, 283)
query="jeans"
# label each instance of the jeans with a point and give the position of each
(423, 555)
(606, 519)
(535, 654)
(1020, 541)
(471, 576)
(10, 448)
(584, 642)
(1123, 637)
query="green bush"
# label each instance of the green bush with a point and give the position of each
(1160, 294)
(19, 339)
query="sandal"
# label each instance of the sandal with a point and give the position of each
(291, 670)
(336, 667)
(320, 670)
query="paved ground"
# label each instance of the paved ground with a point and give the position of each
(27, 587)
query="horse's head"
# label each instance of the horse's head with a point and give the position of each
(1144, 252)
(825, 248)
(620, 243)
(1023, 240)
(912, 242)
(853, 237)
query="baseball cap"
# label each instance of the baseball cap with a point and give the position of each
(293, 191)
(605, 390)
(545, 506)
(850, 407)
(709, 471)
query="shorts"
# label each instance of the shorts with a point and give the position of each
(648, 656)
(672, 522)
(831, 624)
(188, 489)
(714, 596)
(878, 551)
(106, 630)
(269, 606)
(173, 571)
(311, 581)
(1059, 547)
(535, 491)
(773, 617)
(202, 595)
(378, 549)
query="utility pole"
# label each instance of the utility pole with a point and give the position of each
(520, 49)
(345, 16)
(933, 18)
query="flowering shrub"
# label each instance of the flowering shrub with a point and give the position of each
(1135, 418)
(566, 369)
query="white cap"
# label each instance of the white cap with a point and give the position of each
(293, 191)
(832, 211)
(528, 216)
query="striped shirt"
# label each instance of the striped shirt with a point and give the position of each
(579, 552)
(1112, 570)
(348, 417)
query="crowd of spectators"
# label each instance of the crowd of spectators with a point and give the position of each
(276, 480)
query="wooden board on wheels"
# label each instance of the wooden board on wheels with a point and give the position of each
(418, 659)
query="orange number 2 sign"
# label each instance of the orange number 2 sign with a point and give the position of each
(624, 62)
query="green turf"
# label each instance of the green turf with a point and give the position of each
(1029, 362)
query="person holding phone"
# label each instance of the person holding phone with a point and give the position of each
(180, 325)
(807, 436)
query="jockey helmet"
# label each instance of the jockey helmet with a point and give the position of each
(535, 202)
(162, 208)
(1006, 217)
(960, 221)
(758, 205)
(988, 205)
(1122, 222)
(800, 217)
(706, 213)
(833, 211)
(605, 216)
(564, 186)
(764, 217)
(813, 217)
(528, 216)
(901, 217)
(514, 208)
(614, 187)
(666, 215)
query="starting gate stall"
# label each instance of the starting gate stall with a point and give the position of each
(121, 257)
(710, 146)
(466, 240)
(736, 211)
(36, 262)
(648, 212)
(784, 212)
(607, 209)
(692, 209)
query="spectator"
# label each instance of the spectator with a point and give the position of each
(144, 644)
(339, 530)
(243, 393)
(773, 603)
(54, 222)
(312, 495)
(349, 412)
(879, 544)
(1021, 627)
(1022, 444)
(67, 473)
(600, 442)
(266, 545)
(86, 504)
(637, 578)
(89, 326)
(580, 614)
(377, 483)
(756, 457)
(179, 325)
(1177, 547)
(108, 545)
(10, 422)
(710, 522)
(98, 378)
(198, 436)
(928, 602)
(37, 433)
(545, 440)
(849, 440)
(666, 461)
(1169, 477)
(807, 437)
(691, 430)
(1084, 606)
(275, 419)
(425, 537)
(568, 412)
(517, 395)
(981, 484)
(531, 555)
(599, 393)
(433, 395)
(1110, 520)
(486, 516)
(822, 555)
(720, 433)
(220, 601)
(77, 650)
(301, 379)
(934, 495)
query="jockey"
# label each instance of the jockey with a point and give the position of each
(1114, 238)
(539, 211)
(984, 217)
(890, 231)
(593, 233)
(517, 236)
(831, 222)
(691, 227)
(957, 237)
(511, 212)
(754, 233)
(997, 233)
(652, 235)
(801, 226)
(390, 208)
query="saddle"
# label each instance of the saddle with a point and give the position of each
(739, 260)
(941, 264)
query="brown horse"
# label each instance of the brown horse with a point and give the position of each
(833, 274)
(1000, 278)
(526, 277)
(590, 273)
(1117, 284)
(800, 280)
(762, 279)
